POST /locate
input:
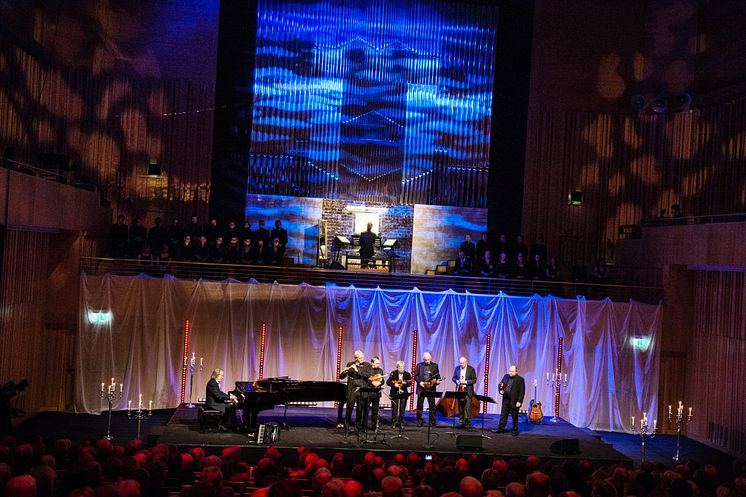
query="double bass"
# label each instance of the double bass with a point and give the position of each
(450, 407)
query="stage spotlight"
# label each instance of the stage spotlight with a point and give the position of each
(575, 198)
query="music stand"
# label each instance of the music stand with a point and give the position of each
(364, 429)
(401, 397)
(432, 395)
(457, 397)
(487, 400)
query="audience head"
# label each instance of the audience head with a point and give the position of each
(21, 486)
(471, 487)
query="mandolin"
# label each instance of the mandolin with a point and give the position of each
(535, 415)
(427, 385)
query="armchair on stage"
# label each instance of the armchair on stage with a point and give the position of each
(384, 258)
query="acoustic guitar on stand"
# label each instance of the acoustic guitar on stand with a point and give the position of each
(535, 415)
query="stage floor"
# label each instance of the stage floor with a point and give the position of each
(316, 427)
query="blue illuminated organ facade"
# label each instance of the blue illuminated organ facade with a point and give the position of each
(373, 100)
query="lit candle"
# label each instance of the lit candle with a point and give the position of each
(655, 424)
(102, 387)
(690, 411)
(633, 421)
(565, 381)
(669, 410)
(536, 383)
(139, 402)
(150, 405)
(129, 405)
(120, 388)
(112, 381)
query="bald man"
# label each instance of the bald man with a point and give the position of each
(426, 371)
(513, 389)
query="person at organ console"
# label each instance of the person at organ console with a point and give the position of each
(376, 380)
(464, 376)
(427, 376)
(357, 373)
(399, 382)
(217, 400)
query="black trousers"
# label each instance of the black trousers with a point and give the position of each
(508, 408)
(375, 402)
(464, 407)
(430, 406)
(397, 411)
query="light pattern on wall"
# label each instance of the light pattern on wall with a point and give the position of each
(373, 100)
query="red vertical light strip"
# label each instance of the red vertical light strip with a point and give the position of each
(340, 334)
(262, 343)
(559, 379)
(414, 365)
(486, 373)
(184, 360)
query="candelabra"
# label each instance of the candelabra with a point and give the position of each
(642, 430)
(556, 382)
(192, 368)
(110, 394)
(680, 420)
(139, 414)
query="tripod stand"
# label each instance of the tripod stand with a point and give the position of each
(430, 395)
(456, 398)
(398, 398)
(487, 400)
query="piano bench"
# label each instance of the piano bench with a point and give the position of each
(209, 419)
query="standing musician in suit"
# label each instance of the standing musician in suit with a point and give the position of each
(377, 379)
(357, 373)
(367, 245)
(465, 377)
(427, 372)
(216, 399)
(399, 382)
(513, 389)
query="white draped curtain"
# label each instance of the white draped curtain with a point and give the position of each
(611, 349)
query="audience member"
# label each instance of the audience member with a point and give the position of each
(463, 265)
(280, 233)
(468, 247)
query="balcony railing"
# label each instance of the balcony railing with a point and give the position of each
(294, 275)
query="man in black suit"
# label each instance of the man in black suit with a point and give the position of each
(280, 233)
(426, 371)
(465, 377)
(216, 399)
(463, 265)
(399, 382)
(513, 389)
(357, 373)
(367, 245)
(468, 247)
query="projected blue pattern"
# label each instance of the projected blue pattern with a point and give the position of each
(373, 100)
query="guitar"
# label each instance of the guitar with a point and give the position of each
(535, 414)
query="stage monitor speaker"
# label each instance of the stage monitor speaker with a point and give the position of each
(336, 265)
(566, 446)
(469, 442)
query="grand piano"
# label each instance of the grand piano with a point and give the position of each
(260, 395)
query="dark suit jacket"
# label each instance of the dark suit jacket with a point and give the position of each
(393, 376)
(518, 391)
(367, 244)
(282, 234)
(357, 379)
(214, 397)
(462, 267)
(425, 372)
(471, 377)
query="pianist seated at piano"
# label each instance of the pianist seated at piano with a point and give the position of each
(220, 401)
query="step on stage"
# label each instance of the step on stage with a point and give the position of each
(315, 427)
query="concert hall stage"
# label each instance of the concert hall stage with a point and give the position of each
(316, 427)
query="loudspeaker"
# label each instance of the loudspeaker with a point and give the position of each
(469, 442)
(565, 446)
(336, 265)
